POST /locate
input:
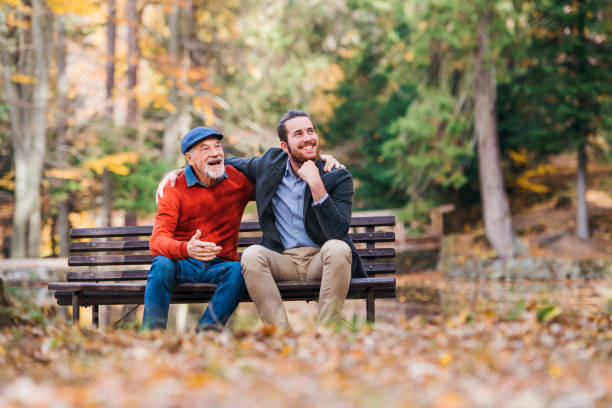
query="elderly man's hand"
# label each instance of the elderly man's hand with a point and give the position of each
(202, 250)
(331, 163)
(170, 177)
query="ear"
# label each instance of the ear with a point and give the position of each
(283, 146)
(188, 157)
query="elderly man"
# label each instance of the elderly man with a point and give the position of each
(304, 214)
(195, 235)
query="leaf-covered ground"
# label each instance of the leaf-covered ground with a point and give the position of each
(527, 353)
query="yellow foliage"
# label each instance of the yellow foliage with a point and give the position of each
(115, 163)
(81, 219)
(11, 21)
(555, 370)
(203, 104)
(524, 179)
(70, 173)
(162, 102)
(8, 181)
(14, 3)
(46, 245)
(23, 79)
(80, 7)
(528, 185)
(519, 157)
(198, 380)
(445, 359)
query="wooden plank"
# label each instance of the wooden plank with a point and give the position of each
(110, 260)
(105, 260)
(141, 274)
(142, 245)
(129, 275)
(380, 236)
(94, 246)
(376, 252)
(189, 287)
(122, 298)
(106, 232)
(245, 226)
(374, 268)
(388, 221)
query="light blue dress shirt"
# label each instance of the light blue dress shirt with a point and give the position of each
(288, 208)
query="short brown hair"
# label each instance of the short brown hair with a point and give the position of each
(281, 130)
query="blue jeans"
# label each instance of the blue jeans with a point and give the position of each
(165, 273)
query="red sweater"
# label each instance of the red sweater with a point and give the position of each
(216, 211)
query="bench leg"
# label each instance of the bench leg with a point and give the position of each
(95, 316)
(370, 313)
(75, 308)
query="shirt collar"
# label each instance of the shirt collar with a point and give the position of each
(191, 178)
(289, 171)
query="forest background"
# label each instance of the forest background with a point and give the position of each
(426, 102)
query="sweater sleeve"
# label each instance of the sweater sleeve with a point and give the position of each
(162, 239)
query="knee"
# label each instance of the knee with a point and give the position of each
(336, 249)
(234, 273)
(253, 256)
(162, 269)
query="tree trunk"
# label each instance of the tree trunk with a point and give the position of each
(178, 122)
(582, 215)
(27, 107)
(63, 224)
(111, 36)
(496, 210)
(133, 56)
(582, 129)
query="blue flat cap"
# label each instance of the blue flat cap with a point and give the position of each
(195, 135)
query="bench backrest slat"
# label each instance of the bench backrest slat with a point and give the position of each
(245, 226)
(104, 260)
(142, 245)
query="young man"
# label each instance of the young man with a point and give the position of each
(304, 214)
(195, 236)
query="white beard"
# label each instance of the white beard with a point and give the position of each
(215, 174)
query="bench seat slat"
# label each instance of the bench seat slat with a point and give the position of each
(134, 298)
(181, 287)
(143, 245)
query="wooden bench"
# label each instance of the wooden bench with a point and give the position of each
(99, 257)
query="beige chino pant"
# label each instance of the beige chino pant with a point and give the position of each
(331, 264)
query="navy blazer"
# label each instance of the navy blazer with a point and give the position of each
(329, 220)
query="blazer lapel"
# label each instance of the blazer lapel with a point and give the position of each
(276, 176)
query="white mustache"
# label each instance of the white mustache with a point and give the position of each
(213, 159)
